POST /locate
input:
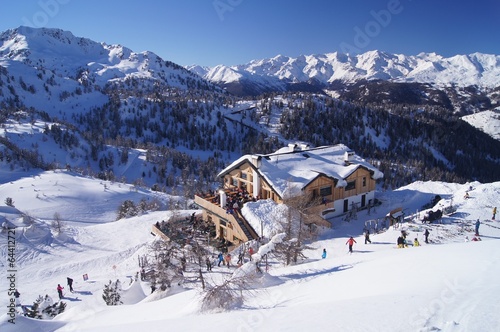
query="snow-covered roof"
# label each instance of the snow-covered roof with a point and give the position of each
(291, 168)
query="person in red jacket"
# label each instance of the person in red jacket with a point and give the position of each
(59, 291)
(351, 242)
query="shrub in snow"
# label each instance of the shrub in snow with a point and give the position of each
(9, 201)
(127, 209)
(111, 293)
(45, 308)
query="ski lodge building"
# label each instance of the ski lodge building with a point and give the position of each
(335, 174)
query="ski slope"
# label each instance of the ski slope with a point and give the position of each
(449, 284)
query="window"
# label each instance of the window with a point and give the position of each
(350, 185)
(325, 191)
(364, 181)
(243, 175)
(235, 182)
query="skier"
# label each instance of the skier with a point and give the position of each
(70, 284)
(16, 295)
(401, 242)
(367, 237)
(221, 259)
(426, 234)
(59, 291)
(477, 227)
(240, 258)
(209, 264)
(416, 243)
(250, 252)
(351, 242)
(494, 213)
(228, 259)
(323, 255)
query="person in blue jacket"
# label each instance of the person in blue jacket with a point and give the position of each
(324, 254)
(477, 227)
(220, 256)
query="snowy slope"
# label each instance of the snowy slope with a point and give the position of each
(447, 285)
(487, 121)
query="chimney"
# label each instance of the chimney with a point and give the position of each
(348, 157)
(256, 161)
(223, 198)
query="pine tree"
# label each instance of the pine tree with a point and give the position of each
(34, 311)
(111, 293)
(45, 308)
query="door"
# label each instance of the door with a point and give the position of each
(346, 205)
(363, 200)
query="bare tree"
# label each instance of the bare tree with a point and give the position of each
(298, 226)
(164, 264)
(57, 223)
(229, 293)
(199, 255)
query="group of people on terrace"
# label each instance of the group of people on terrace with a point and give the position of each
(236, 199)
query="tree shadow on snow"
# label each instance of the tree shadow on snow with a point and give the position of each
(83, 292)
(314, 273)
(72, 299)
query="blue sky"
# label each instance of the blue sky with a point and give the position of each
(230, 32)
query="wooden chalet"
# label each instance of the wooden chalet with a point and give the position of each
(335, 174)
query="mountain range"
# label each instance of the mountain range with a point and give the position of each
(328, 71)
(118, 113)
(462, 82)
(478, 69)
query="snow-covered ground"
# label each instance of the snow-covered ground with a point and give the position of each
(487, 121)
(446, 285)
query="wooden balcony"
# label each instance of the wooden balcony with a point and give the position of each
(236, 224)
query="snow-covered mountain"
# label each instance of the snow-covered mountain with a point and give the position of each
(478, 69)
(45, 67)
(328, 71)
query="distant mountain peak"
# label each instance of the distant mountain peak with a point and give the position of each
(482, 70)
